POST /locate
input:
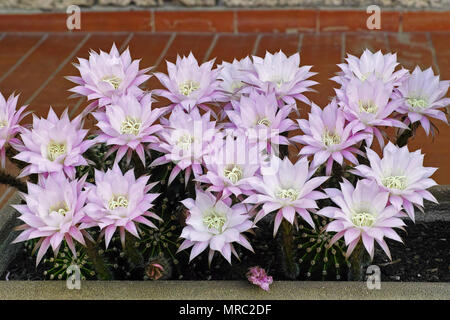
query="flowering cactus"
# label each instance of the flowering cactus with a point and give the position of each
(53, 145)
(259, 117)
(238, 177)
(282, 75)
(230, 166)
(54, 217)
(422, 94)
(128, 124)
(104, 76)
(287, 189)
(328, 137)
(9, 124)
(368, 103)
(189, 84)
(363, 212)
(402, 174)
(185, 140)
(377, 64)
(215, 224)
(119, 201)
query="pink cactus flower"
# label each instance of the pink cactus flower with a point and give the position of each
(368, 103)
(216, 224)
(185, 140)
(402, 174)
(328, 137)
(288, 189)
(363, 212)
(422, 95)
(377, 64)
(119, 201)
(53, 211)
(53, 145)
(104, 76)
(128, 124)
(282, 75)
(189, 84)
(230, 165)
(258, 276)
(9, 124)
(259, 117)
(232, 75)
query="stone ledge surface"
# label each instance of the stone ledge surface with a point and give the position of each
(221, 290)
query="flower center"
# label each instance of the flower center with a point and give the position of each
(119, 201)
(330, 139)
(367, 107)
(214, 220)
(234, 174)
(188, 87)
(417, 103)
(3, 123)
(363, 219)
(60, 208)
(236, 85)
(54, 150)
(130, 126)
(290, 193)
(395, 182)
(264, 122)
(185, 141)
(113, 81)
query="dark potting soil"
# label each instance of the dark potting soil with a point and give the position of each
(424, 256)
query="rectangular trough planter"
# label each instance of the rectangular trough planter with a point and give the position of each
(216, 290)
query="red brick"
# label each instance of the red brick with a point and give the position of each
(441, 45)
(276, 20)
(356, 43)
(412, 49)
(288, 43)
(356, 20)
(194, 21)
(323, 51)
(29, 76)
(56, 93)
(90, 21)
(183, 44)
(13, 47)
(426, 21)
(437, 152)
(229, 47)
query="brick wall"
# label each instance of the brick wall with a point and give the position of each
(58, 5)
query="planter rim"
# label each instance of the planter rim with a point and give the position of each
(221, 290)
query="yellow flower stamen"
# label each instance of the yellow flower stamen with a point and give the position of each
(368, 107)
(119, 201)
(264, 122)
(188, 87)
(234, 174)
(185, 141)
(215, 220)
(113, 80)
(54, 150)
(290, 193)
(130, 126)
(395, 182)
(417, 103)
(330, 139)
(363, 219)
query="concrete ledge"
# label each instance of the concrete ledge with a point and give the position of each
(220, 290)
